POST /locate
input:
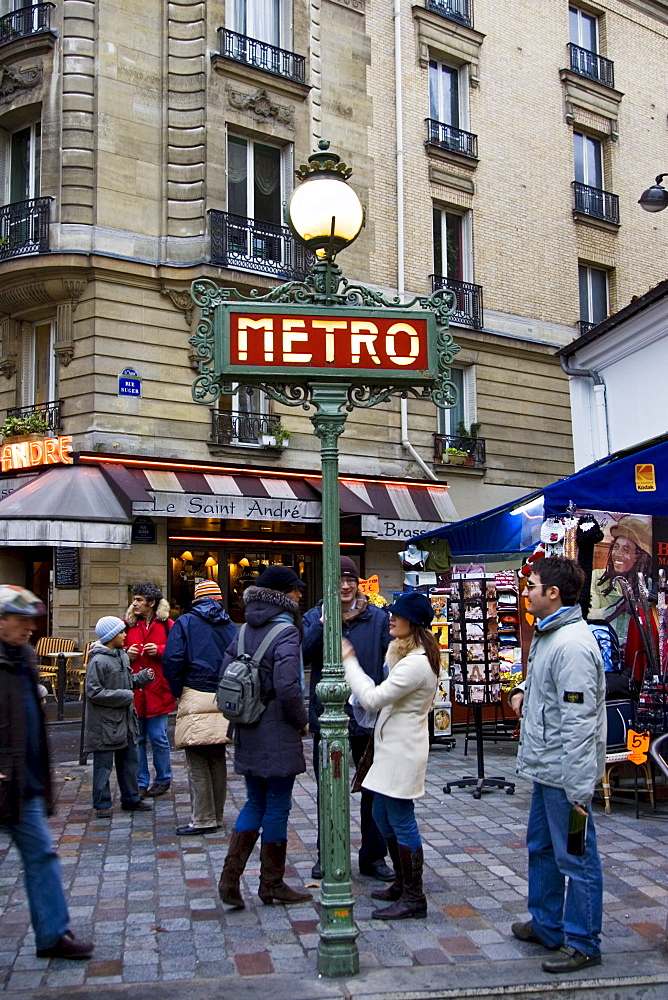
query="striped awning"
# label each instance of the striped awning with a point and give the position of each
(398, 510)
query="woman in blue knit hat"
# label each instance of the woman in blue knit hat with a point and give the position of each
(401, 745)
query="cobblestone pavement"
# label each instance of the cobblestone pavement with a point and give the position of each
(149, 900)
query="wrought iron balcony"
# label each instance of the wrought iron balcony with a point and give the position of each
(251, 245)
(468, 310)
(592, 65)
(584, 326)
(463, 451)
(449, 137)
(229, 427)
(270, 58)
(454, 10)
(25, 21)
(24, 228)
(596, 203)
(51, 413)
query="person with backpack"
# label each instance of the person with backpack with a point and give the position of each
(268, 752)
(191, 663)
(148, 625)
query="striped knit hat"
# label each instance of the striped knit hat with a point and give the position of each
(208, 588)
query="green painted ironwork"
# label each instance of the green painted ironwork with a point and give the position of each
(333, 393)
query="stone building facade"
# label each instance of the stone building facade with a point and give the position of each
(499, 150)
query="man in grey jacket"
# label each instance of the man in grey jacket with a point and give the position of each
(562, 750)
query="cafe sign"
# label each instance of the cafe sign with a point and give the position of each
(29, 454)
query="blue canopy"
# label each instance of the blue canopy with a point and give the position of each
(619, 482)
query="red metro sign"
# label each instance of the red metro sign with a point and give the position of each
(332, 345)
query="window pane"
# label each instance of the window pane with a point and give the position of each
(578, 155)
(37, 160)
(588, 32)
(438, 241)
(19, 178)
(263, 20)
(583, 282)
(453, 226)
(434, 107)
(267, 183)
(237, 177)
(593, 163)
(42, 363)
(444, 94)
(599, 294)
(449, 419)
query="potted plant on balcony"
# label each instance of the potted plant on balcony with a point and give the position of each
(454, 456)
(278, 439)
(32, 427)
(467, 440)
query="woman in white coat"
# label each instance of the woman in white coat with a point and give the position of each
(401, 745)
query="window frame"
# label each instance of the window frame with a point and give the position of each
(462, 105)
(585, 270)
(586, 160)
(583, 15)
(447, 425)
(466, 250)
(29, 364)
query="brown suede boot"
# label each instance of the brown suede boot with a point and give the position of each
(394, 891)
(413, 902)
(238, 853)
(272, 870)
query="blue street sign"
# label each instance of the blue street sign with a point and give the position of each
(129, 383)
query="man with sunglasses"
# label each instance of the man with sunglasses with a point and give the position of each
(562, 750)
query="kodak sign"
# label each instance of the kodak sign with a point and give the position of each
(28, 454)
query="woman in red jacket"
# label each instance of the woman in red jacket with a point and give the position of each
(148, 624)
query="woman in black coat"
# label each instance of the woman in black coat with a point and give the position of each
(269, 752)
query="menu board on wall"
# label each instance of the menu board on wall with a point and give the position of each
(67, 568)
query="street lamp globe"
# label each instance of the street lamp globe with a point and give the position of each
(655, 198)
(324, 212)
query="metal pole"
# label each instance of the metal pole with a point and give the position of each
(337, 950)
(62, 682)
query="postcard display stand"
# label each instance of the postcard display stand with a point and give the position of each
(474, 661)
(440, 719)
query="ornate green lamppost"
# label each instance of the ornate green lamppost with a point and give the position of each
(333, 345)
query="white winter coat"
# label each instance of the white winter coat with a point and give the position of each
(401, 734)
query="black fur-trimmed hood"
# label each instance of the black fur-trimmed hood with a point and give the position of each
(262, 605)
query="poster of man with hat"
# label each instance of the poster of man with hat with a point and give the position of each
(625, 551)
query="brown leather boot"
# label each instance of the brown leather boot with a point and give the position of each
(272, 870)
(394, 891)
(413, 902)
(238, 853)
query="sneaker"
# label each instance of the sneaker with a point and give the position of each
(195, 831)
(570, 960)
(525, 932)
(156, 790)
(67, 946)
(140, 806)
(103, 814)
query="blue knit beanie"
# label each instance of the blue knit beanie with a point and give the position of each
(108, 627)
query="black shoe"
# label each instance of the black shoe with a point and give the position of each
(67, 946)
(195, 831)
(316, 871)
(570, 960)
(378, 869)
(130, 807)
(142, 791)
(156, 790)
(103, 814)
(525, 932)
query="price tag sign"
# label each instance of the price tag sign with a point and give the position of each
(638, 745)
(370, 586)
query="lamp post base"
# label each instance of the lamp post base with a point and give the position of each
(338, 958)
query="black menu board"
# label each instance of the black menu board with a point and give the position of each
(67, 568)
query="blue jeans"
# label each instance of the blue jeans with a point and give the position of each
(41, 873)
(267, 808)
(126, 761)
(578, 923)
(396, 818)
(155, 729)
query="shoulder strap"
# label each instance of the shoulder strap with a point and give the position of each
(240, 641)
(268, 639)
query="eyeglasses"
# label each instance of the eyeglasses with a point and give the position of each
(532, 586)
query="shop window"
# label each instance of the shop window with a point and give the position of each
(39, 367)
(593, 287)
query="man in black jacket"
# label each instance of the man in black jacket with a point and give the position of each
(25, 785)
(368, 629)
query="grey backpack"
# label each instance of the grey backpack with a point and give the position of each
(239, 694)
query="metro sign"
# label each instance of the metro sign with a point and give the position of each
(325, 344)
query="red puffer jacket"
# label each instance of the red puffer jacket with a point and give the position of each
(156, 698)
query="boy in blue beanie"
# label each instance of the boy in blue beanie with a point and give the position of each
(112, 729)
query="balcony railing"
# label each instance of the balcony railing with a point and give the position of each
(473, 448)
(449, 137)
(51, 412)
(26, 21)
(592, 65)
(228, 427)
(584, 326)
(24, 228)
(270, 58)
(251, 245)
(455, 10)
(596, 203)
(468, 309)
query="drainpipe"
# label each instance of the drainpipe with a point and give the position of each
(398, 103)
(599, 402)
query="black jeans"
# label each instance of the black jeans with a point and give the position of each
(373, 847)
